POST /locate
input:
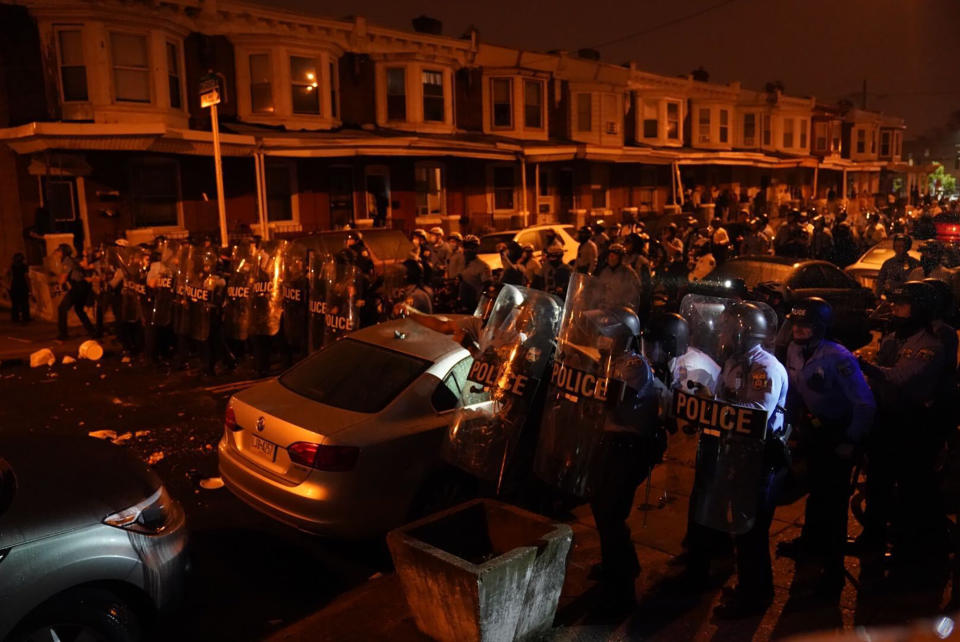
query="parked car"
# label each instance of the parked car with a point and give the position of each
(535, 235)
(867, 267)
(347, 442)
(92, 547)
(799, 279)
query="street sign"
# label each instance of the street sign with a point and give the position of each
(211, 90)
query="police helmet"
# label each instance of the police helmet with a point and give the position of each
(617, 322)
(921, 296)
(944, 297)
(814, 312)
(437, 231)
(585, 231)
(742, 326)
(554, 251)
(455, 236)
(905, 238)
(599, 226)
(421, 233)
(617, 248)
(471, 242)
(671, 331)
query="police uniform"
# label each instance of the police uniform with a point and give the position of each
(695, 366)
(893, 273)
(830, 404)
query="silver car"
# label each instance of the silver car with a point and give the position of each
(347, 443)
(91, 545)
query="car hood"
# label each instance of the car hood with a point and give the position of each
(66, 484)
(274, 399)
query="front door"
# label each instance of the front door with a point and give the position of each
(378, 197)
(341, 196)
(565, 192)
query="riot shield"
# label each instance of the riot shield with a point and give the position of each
(317, 303)
(295, 295)
(180, 308)
(597, 331)
(266, 300)
(730, 463)
(501, 388)
(161, 284)
(238, 297)
(134, 262)
(202, 291)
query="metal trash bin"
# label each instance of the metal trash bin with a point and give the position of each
(482, 571)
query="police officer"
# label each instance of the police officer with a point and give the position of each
(893, 273)
(631, 444)
(439, 251)
(556, 274)
(750, 377)
(907, 437)
(475, 275)
(931, 264)
(831, 406)
(587, 253)
(355, 253)
(73, 281)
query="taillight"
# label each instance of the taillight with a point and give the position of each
(322, 457)
(230, 419)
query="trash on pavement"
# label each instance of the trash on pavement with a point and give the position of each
(67, 359)
(91, 350)
(103, 434)
(155, 458)
(44, 357)
(125, 360)
(211, 483)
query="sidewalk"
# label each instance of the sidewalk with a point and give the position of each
(377, 610)
(19, 341)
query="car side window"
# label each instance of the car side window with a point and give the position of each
(448, 391)
(833, 277)
(806, 277)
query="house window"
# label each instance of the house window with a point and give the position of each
(651, 125)
(803, 133)
(788, 133)
(154, 194)
(898, 144)
(504, 184)
(433, 96)
(334, 90)
(428, 182)
(261, 92)
(724, 125)
(611, 117)
(173, 75)
(820, 136)
(532, 104)
(673, 120)
(279, 191)
(749, 130)
(59, 197)
(305, 85)
(885, 144)
(396, 93)
(131, 69)
(861, 141)
(873, 142)
(501, 89)
(703, 121)
(765, 128)
(73, 73)
(584, 112)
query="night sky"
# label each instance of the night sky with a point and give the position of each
(907, 50)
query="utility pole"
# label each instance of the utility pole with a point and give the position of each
(211, 93)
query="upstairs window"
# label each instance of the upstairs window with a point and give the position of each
(873, 142)
(765, 128)
(584, 112)
(504, 185)
(724, 126)
(433, 96)
(533, 104)
(304, 85)
(861, 141)
(703, 120)
(749, 130)
(803, 133)
(885, 144)
(501, 90)
(788, 132)
(651, 124)
(334, 90)
(73, 73)
(820, 136)
(261, 91)
(173, 75)
(396, 93)
(673, 120)
(611, 120)
(131, 69)
(897, 144)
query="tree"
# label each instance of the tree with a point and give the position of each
(942, 182)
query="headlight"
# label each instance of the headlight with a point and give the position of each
(149, 516)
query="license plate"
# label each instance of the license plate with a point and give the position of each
(262, 447)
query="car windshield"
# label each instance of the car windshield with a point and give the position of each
(332, 376)
(751, 272)
(489, 243)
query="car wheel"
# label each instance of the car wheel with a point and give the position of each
(82, 615)
(441, 491)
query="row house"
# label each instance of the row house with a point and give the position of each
(327, 123)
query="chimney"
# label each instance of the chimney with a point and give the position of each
(426, 24)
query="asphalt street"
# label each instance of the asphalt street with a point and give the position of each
(251, 576)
